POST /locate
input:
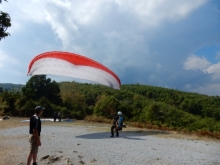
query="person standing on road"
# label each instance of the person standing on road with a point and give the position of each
(59, 116)
(34, 137)
(114, 126)
(55, 116)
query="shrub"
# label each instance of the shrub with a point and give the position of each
(107, 106)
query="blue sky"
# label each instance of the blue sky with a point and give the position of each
(167, 43)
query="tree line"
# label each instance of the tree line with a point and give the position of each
(165, 108)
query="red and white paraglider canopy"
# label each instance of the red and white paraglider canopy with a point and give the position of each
(73, 65)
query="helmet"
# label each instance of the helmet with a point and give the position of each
(119, 113)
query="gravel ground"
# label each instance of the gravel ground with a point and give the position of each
(92, 145)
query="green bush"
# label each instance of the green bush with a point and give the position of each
(107, 106)
(29, 108)
(44, 102)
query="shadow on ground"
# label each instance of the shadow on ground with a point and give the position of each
(133, 135)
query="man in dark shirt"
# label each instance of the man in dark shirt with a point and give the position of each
(34, 137)
(114, 126)
(55, 116)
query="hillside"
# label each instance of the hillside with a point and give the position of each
(10, 86)
(151, 107)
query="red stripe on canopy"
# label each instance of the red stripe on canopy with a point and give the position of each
(75, 59)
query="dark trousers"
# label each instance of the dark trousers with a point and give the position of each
(116, 130)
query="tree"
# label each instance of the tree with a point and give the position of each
(39, 86)
(10, 98)
(5, 22)
(1, 89)
(107, 106)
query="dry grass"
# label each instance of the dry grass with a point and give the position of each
(12, 123)
(161, 130)
(209, 134)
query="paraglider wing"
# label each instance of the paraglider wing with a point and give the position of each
(73, 65)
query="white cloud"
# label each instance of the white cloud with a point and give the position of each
(87, 11)
(63, 4)
(23, 12)
(154, 12)
(65, 29)
(65, 17)
(194, 62)
(214, 70)
(26, 10)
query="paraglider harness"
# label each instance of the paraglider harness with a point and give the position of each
(120, 123)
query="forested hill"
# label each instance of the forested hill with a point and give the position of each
(10, 86)
(137, 97)
(163, 107)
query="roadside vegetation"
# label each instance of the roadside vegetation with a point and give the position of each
(142, 106)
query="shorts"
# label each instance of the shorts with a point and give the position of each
(33, 144)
